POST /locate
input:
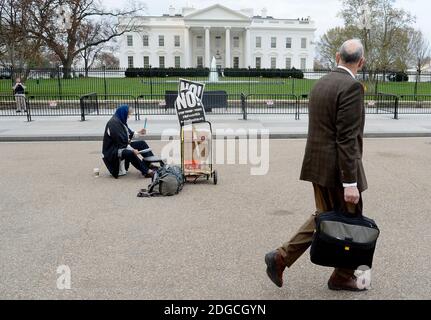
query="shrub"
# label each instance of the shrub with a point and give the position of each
(266, 73)
(166, 72)
(398, 77)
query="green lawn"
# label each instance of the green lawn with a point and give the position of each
(139, 86)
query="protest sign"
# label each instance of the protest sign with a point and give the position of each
(188, 106)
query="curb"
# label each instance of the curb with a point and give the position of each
(274, 136)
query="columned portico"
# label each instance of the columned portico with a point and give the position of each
(207, 47)
(204, 42)
(187, 47)
(247, 44)
(228, 59)
(236, 38)
(217, 32)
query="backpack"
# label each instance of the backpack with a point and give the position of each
(167, 181)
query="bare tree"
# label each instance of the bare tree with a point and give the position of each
(419, 52)
(17, 50)
(387, 41)
(420, 49)
(64, 25)
(331, 41)
(108, 60)
(90, 33)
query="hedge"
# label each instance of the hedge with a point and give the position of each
(398, 77)
(204, 72)
(266, 73)
(166, 72)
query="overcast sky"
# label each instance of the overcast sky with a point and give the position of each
(323, 12)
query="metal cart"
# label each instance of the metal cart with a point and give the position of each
(196, 152)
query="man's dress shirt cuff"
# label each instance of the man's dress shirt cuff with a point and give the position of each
(349, 185)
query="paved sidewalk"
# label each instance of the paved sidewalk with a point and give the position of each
(209, 241)
(279, 126)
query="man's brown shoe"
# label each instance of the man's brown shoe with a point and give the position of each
(336, 282)
(275, 267)
(150, 174)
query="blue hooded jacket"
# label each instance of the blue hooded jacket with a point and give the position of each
(115, 138)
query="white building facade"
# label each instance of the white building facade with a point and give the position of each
(237, 39)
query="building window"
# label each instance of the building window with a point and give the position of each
(303, 63)
(161, 62)
(130, 41)
(146, 61)
(177, 62)
(288, 63)
(145, 40)
(235, 62)
(288, 43)
(273, 42)
(258, 62)
(258, 42)
(303, 43)
(200, 62)
(161, 41)
(273, 63)
(236, 42)
(130, 61)
(177, 41)
(218, 41)
(199, 42)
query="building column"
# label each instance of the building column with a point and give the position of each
(227, 58)
(207, 47)
(187, 47)
(247, 44)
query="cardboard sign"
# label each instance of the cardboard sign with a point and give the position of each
(188, 106)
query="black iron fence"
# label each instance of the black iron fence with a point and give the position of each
(9, 107)
(414, 104)
(272, 104)
(216, 103)
(52, 105)
(248, 81)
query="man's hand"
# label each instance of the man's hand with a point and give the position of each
(351, 195)
(136, 152)
(142, 132)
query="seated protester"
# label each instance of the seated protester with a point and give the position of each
(117, 144)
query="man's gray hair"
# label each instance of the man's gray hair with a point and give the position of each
(351, 51)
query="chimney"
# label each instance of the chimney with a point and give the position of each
(264, 12)
(171, 11)
(187, 10)
(247, 11)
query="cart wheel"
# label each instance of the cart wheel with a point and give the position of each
(215, 178)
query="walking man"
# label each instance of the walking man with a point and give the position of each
(332, 160)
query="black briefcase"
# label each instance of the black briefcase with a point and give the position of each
(342, 240)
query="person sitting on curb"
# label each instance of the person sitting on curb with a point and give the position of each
(117, 145)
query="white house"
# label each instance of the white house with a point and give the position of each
(237, 39)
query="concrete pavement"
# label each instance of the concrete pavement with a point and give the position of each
(209, 241)
(279, 126)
